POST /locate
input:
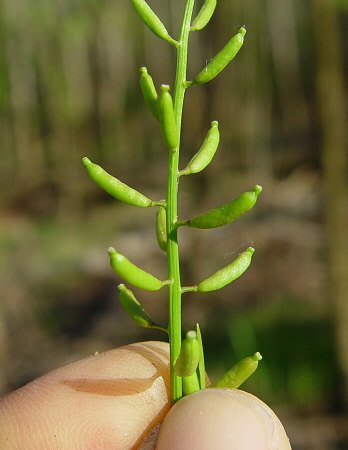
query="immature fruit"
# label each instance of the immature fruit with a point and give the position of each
(227, 274)
(226, 213)
(115, 187)
(190, 384)
(206, 153)
(161, 228)
(239, 373)
(134, 308)
(149, 91)
(220, 61)
(187, 363)
(151, 19)
(132, 273)
(167, 118)
(188, 360)
(204, 15)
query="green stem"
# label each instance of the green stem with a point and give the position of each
(172, 207)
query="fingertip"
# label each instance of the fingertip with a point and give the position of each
(221, 419)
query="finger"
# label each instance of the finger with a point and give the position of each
(107, 401)
(222, 419)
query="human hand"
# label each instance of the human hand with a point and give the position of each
(116, 401)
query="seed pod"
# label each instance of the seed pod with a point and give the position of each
(115, 187)
(187, 362)
(149, 91)
(151, 19)
(204, 15)
(220, 61)
(201, 365)
(134, 308)
(206, 153)
(226, 213)
(190, 384)
(161, 228)
(132, 273)
(227, 274)
(167, 118)
(233, 378)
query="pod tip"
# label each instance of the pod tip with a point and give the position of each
(215, 123)
(111, 251)
(257, 356)
(143, 69)
(250, 250)
(257, 189)
(165, 87)
(191, 335)
(242, 30)
(121, 287)
(86, 161)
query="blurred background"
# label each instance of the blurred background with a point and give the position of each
(69, 87)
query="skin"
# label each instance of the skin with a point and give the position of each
(117, 399)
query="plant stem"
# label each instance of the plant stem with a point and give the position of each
(172, 207)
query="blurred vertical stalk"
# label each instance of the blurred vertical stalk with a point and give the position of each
(332, 109)
(258, 100)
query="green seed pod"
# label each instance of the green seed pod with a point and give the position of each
(227, 274)
(220, 61)
(151, 19)
(115, 187)
(201, 364)
(233, 378)
(134, 308)
(204, 15)
(188, 360)
(161, 228)
(167, 118)
(226, 213)
(190, 384)
(132, 273)
(206, 153)
(149, 91)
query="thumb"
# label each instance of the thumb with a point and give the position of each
(221, 419)
(107, 401)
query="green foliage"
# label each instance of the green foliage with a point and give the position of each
(187, 365)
